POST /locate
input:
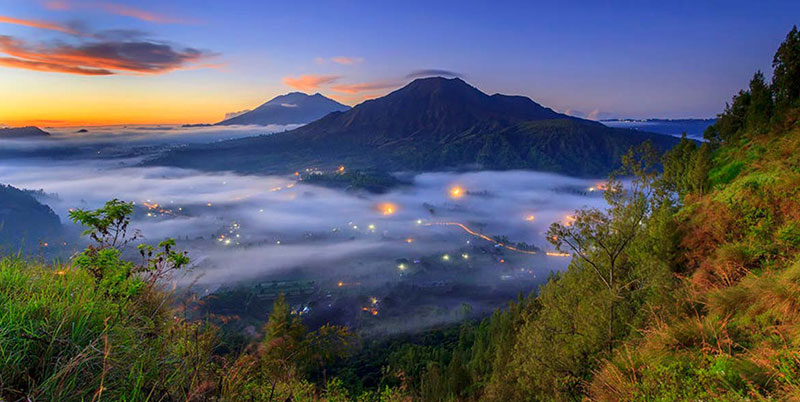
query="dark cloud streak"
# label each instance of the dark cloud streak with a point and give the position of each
(433, 72)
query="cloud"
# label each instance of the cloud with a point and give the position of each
(289, 230)
(40, 24)
(114, 8)
(50, 67)
(365, 86)
(99, 57)
(56, 5)
(344, 60)
(347, 60)
(288, 105)
(353, 99)
(121, 9)
(231, 115)
(310, 82)
(433, 72)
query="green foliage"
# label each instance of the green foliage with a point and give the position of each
(789, 234)
(725, 174)
(786, 64)
(112, 274)
(107, 226)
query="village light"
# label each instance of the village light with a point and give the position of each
(387, 208)
(456, 192)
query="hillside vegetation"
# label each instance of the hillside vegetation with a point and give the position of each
(686, 287)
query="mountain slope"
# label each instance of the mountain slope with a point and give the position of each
(292, 108)
(431, 123)
(23, 132)
(24, 221)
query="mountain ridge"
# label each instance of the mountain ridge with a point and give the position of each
(430, 124)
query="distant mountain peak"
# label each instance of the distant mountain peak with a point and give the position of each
(291, 108)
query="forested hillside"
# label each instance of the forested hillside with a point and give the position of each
(686, 288)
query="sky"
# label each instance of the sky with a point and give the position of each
(97, 62)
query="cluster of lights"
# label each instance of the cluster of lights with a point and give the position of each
(154, 209)
(372, 308)
(232, 236)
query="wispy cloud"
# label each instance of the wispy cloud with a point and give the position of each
(365, 86)
(433, 72)
(99, 57)
(343, 60)
(353, 99)
(347, 60)
(51, 67)
(115, 8)
(310, 82)
(40, 24)
(121, 9)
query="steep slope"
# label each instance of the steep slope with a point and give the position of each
(432, 123)
(24, 222)
(292, 108)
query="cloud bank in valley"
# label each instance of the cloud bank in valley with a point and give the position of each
(285, 225)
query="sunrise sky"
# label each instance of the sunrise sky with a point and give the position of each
(82, 62)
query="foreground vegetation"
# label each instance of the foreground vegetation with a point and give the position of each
(687, 287)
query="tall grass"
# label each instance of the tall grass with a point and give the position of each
(63, 338)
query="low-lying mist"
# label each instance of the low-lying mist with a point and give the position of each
(413, 254)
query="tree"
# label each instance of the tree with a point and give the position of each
(697, 175)
(786, 70)
(677, 162)
(757, 118)
(600, 239)
(109, 228)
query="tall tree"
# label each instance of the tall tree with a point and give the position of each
(599, 239)
(786, 74)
